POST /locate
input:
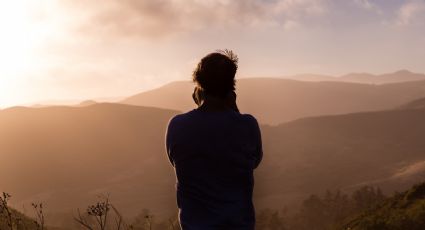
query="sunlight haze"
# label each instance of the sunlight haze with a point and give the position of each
(80, 49)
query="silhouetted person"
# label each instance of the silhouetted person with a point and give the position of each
(214, 150)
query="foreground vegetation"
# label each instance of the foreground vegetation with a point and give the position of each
(366, 208)
(326, 212)
(402, 211)
(10, 219)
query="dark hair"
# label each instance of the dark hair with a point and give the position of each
(215, 73)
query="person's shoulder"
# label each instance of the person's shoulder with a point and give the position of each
(249, 118)
(181, 117)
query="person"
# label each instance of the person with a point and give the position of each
(214, 150)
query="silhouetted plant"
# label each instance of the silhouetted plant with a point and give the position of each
(119, 220)
(11, 217)
(5, 210)
(149, 221)
(99, 212)
(83, 221)
(174, 223)
(39, 215)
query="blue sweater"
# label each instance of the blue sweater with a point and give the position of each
(214, 155)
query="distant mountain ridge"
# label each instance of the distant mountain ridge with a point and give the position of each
(416, 104)
(364, 78)
(274, 101)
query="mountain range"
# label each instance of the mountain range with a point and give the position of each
(364, 78)
(316, 136)
(275, 101)
(65, 156)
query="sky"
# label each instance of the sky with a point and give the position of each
(84, 49)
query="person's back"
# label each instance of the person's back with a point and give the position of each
(214, 150)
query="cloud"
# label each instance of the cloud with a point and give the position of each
(368, 5)
(413, 12)
(365, 4)
(159, 18)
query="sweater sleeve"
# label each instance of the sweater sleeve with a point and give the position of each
(256, 134)
(169, 140)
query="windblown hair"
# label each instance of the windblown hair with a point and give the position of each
(215, 73)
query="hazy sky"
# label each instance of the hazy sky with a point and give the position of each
(77, 49)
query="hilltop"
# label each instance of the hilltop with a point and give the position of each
(364, 78)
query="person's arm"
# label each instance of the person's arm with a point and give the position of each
(169, 136)
(258, 155)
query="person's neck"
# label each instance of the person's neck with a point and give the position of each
(214, 104)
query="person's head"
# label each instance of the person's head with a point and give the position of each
(215, 73)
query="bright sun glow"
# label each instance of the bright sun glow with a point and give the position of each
(21, 33)
(16, 40)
